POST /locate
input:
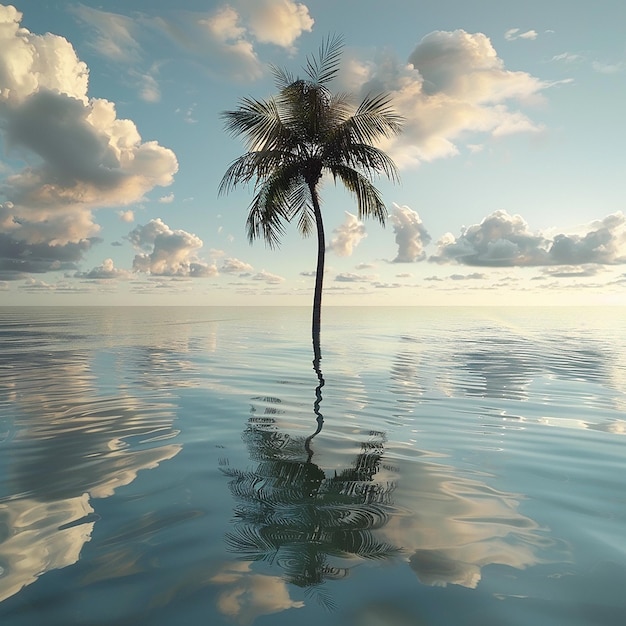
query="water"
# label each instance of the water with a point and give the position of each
(157, 467)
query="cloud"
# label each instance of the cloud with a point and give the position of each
(116, 37)
(604, 242)
(411, 235)
(113, 35)
(567, 57)
(347, 236)
(378, 285)
(570, 271)
(32, 285)
(603, 67)
(167, 252)
(270, 279)
(279, 22)
(235, 266)
(502, 240)
(347, 277)
(79, 156)
(168, 199)
(244, 596)
(472, 276)
(224, 40)
(106, 271)
(127, 216)
(514, 33)
(18, 257)
(454, 85)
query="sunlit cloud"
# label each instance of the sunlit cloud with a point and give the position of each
(235, 266)
(502, 240)
(167, 252)
(79, 156)
(225, 39)
(453, 85)
(106, 271)
(347, 236)
(280, 22)
(127, 216)
(411, 234)
(267, 277)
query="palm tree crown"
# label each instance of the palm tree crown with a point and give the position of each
(296, 137)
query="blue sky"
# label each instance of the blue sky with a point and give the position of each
(512, 168)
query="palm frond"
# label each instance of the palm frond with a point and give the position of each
(258, 121)
(267, 213)
(282, 77)
(374, 119)
(251, 545)
(322, 68)
(304, 109)
(362, 544)
(371, 161)
(282, 196)
(256, 165)
(322, 595)
(300, 204)
(369, 201)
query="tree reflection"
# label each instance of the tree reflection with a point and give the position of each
(310, 522)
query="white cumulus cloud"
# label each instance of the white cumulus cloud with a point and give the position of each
(235, 266)
(279, 22)
(106, 271)
(167, 252)
(411, 234)
(453, 84)
(77, 154)
(347, 236)
(503, 240)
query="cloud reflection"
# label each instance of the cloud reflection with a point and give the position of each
(246, 595)
(74, 436)
(460, 525)
(37, 537)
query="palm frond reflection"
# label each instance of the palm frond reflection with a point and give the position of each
(314, 524)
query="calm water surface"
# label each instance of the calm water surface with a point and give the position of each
(157, 467)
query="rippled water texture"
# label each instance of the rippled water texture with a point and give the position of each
(158, 466)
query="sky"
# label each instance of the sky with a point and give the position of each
(512, 169)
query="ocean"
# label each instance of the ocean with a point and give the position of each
(442, 466)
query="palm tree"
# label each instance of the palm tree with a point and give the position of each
(296, 137)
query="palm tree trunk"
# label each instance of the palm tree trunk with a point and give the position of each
(319, 278)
